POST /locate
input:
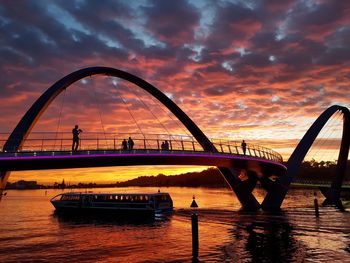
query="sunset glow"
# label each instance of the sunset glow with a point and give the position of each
(261, 71)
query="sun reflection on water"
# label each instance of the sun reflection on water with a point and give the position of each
(31, 230)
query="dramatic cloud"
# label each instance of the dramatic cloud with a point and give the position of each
(258, 70)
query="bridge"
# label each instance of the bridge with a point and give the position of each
(47, 151)
(241, 169)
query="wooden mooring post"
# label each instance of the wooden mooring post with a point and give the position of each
(195, 239)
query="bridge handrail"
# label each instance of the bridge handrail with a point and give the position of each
(51, 141)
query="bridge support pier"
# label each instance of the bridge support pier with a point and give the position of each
(276, 191)
(241, 189)
(275, 195)
(246, 198)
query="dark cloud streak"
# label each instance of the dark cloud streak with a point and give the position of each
(253, 62)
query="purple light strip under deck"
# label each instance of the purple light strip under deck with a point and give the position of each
(186, 155)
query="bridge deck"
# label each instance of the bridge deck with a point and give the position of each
(41, 160)
(62, 142)
(53, 151)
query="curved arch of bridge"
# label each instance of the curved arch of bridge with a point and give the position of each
(23, 128)
(275, 196)
(28, 121)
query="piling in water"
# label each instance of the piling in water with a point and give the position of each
(195, 240)
(317, 214)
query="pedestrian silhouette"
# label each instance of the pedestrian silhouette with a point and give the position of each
(163, 146)
(130, 143)
(124, 145)
(76, 131)
(244, 147)
(166, 145)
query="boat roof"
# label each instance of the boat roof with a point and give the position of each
(102, 194)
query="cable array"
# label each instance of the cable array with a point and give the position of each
(59, 117)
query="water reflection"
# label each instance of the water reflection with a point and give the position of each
(265, 237)
(109, 219)
(30, 231)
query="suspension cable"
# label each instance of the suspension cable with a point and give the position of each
(150, 110)
(329, 131)
(131, 114)
(99, 112)
(155, 116)
(159, 121)
(59, 117)
(176, 121)
(334, 127)
(161, 124)
(319, 142)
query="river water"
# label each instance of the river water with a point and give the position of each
(30, 231)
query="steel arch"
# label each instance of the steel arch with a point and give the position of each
(275, 196)
(23, 128)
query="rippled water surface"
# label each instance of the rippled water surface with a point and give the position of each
(30, 231)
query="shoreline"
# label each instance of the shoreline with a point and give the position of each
(292, 186)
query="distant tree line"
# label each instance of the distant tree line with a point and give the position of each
(319, 172)
(310, 172)
(208, 178)
(22, 184)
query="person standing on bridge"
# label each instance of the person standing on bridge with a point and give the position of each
(124, 145)
(244, 147)
(76, 131)
(130, 143)
(166, 145)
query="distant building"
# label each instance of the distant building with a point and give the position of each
(60, 186)
(63, 185)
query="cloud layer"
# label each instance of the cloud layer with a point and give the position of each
(259, 70)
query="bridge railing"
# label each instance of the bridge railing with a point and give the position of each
(49, 141)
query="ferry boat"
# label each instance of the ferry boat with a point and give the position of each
(156, 203)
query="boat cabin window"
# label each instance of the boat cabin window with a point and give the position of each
(162, 198)
(70, 197)
(165, 198)
(128, 198)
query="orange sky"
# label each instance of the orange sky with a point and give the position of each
(260, 71)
